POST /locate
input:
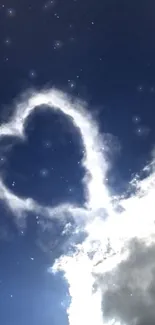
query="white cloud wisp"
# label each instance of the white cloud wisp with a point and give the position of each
(111, 274)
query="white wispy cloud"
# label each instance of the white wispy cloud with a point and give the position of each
(111, 273)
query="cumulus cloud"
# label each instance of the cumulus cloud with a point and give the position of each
(128, 291)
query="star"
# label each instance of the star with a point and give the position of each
(71, 84)
(44, 172)
(32, 74)
(7, 41)
(140, 88)
(11, 12)
(136, 119)
(47, 144)
(56, 15)
(2, 159)
(142, 131)
(49, 4)
(139, 131)
(57, 45)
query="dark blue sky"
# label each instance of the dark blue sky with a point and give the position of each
(102, 52)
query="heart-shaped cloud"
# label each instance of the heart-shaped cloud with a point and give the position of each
(93, 162)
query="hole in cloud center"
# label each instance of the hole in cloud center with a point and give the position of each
(46, 167)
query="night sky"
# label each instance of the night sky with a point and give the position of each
(99, 51)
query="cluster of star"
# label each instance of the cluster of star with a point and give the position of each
(140, 129)
(49, 8)
(142, 89)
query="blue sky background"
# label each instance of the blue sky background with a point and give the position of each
(104, 53)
